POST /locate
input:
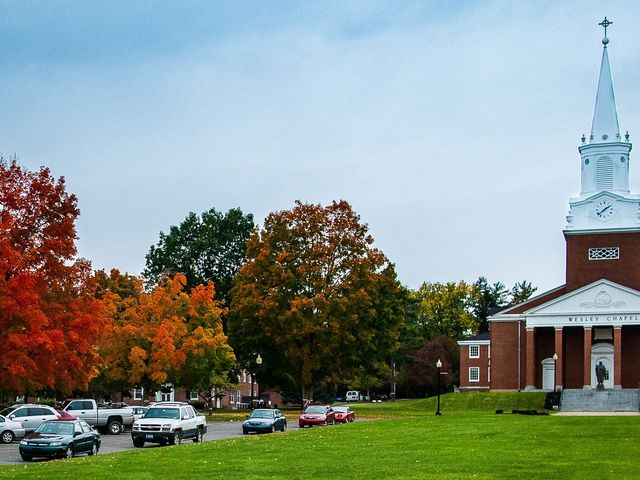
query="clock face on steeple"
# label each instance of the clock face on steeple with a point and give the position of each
(604, 209)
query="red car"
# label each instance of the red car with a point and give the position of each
(317, 415)
(64, 415)
(344, 414)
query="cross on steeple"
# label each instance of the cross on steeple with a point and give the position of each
(605, 23)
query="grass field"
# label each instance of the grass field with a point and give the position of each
(405, 441)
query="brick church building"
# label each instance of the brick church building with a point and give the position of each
(555, 340)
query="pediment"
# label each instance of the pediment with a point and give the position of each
(598, 298)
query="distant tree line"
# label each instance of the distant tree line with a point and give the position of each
(308, 291)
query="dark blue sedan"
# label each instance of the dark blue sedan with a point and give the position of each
(60, 439)
(264, 420)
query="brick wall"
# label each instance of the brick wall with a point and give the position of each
(504, 356)
(582, 271)
(482, 363)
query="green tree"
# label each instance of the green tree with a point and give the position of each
(209, 247)
(443, 309)
(486, 299)
(314, 298)
(521, 292)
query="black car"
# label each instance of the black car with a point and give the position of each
(60, 439)
(264, 420)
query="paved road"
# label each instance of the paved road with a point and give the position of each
(117, 443)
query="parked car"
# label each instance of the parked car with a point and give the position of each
(264, 420)
(168, 422)
(344, 414)
(65, 415)
(138, 412)
(30, 415)
(353, 396)
(112, 419)
(10, 430)
(317, 415)
(60, 439)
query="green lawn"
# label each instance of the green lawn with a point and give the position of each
(475, 443)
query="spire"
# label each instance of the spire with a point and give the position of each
(605, 117)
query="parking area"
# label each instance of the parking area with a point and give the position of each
(117, 443)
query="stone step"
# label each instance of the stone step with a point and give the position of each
(578, 400)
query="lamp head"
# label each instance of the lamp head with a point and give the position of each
(438, 363)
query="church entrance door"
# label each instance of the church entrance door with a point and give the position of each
(602, 353)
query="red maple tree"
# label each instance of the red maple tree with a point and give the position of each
(49, 318)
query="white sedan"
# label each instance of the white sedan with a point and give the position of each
(10, 430)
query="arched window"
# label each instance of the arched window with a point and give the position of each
(604, 174)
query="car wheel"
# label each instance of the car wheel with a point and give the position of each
(138, 443)
(69, 453)
(94, 449)
(26, 458)
(284, 428)
(114, 427)
(326, 422)
(7, 436)
(199, 436)
(273, 429)
(176, 439)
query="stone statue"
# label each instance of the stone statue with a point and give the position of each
(601, 372)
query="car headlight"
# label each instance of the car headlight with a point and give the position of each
(135, 427)
(24, 442)
(55, 444)
(166, 427)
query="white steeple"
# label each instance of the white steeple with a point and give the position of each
(605, 201)
(605, 117)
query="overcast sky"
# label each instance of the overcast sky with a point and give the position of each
(451, 127)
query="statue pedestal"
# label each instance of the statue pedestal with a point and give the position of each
(600, 386)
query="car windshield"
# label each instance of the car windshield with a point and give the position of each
(262, 414)
(6, 411)
(341, 409)
(56, 428)
(315, 409)
(172, 413)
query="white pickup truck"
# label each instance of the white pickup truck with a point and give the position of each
(168, 423)
(113, 420)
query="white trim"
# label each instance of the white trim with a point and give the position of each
(471, 349)
(474, 342)
(537, 297)
(135, 393)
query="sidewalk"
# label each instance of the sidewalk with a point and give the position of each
(598, 414)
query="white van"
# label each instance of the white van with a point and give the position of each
(353, 396)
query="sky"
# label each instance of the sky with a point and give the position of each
(451, 127)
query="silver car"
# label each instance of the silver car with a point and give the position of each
(30, 415)
(10, 430)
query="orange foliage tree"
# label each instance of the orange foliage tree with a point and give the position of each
(50, 320)
(318, 302)
(163, 336)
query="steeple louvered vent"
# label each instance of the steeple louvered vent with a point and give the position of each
(604, 174)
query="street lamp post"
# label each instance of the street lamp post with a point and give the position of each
(438, 366)
(258, 361)
(555, 362)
